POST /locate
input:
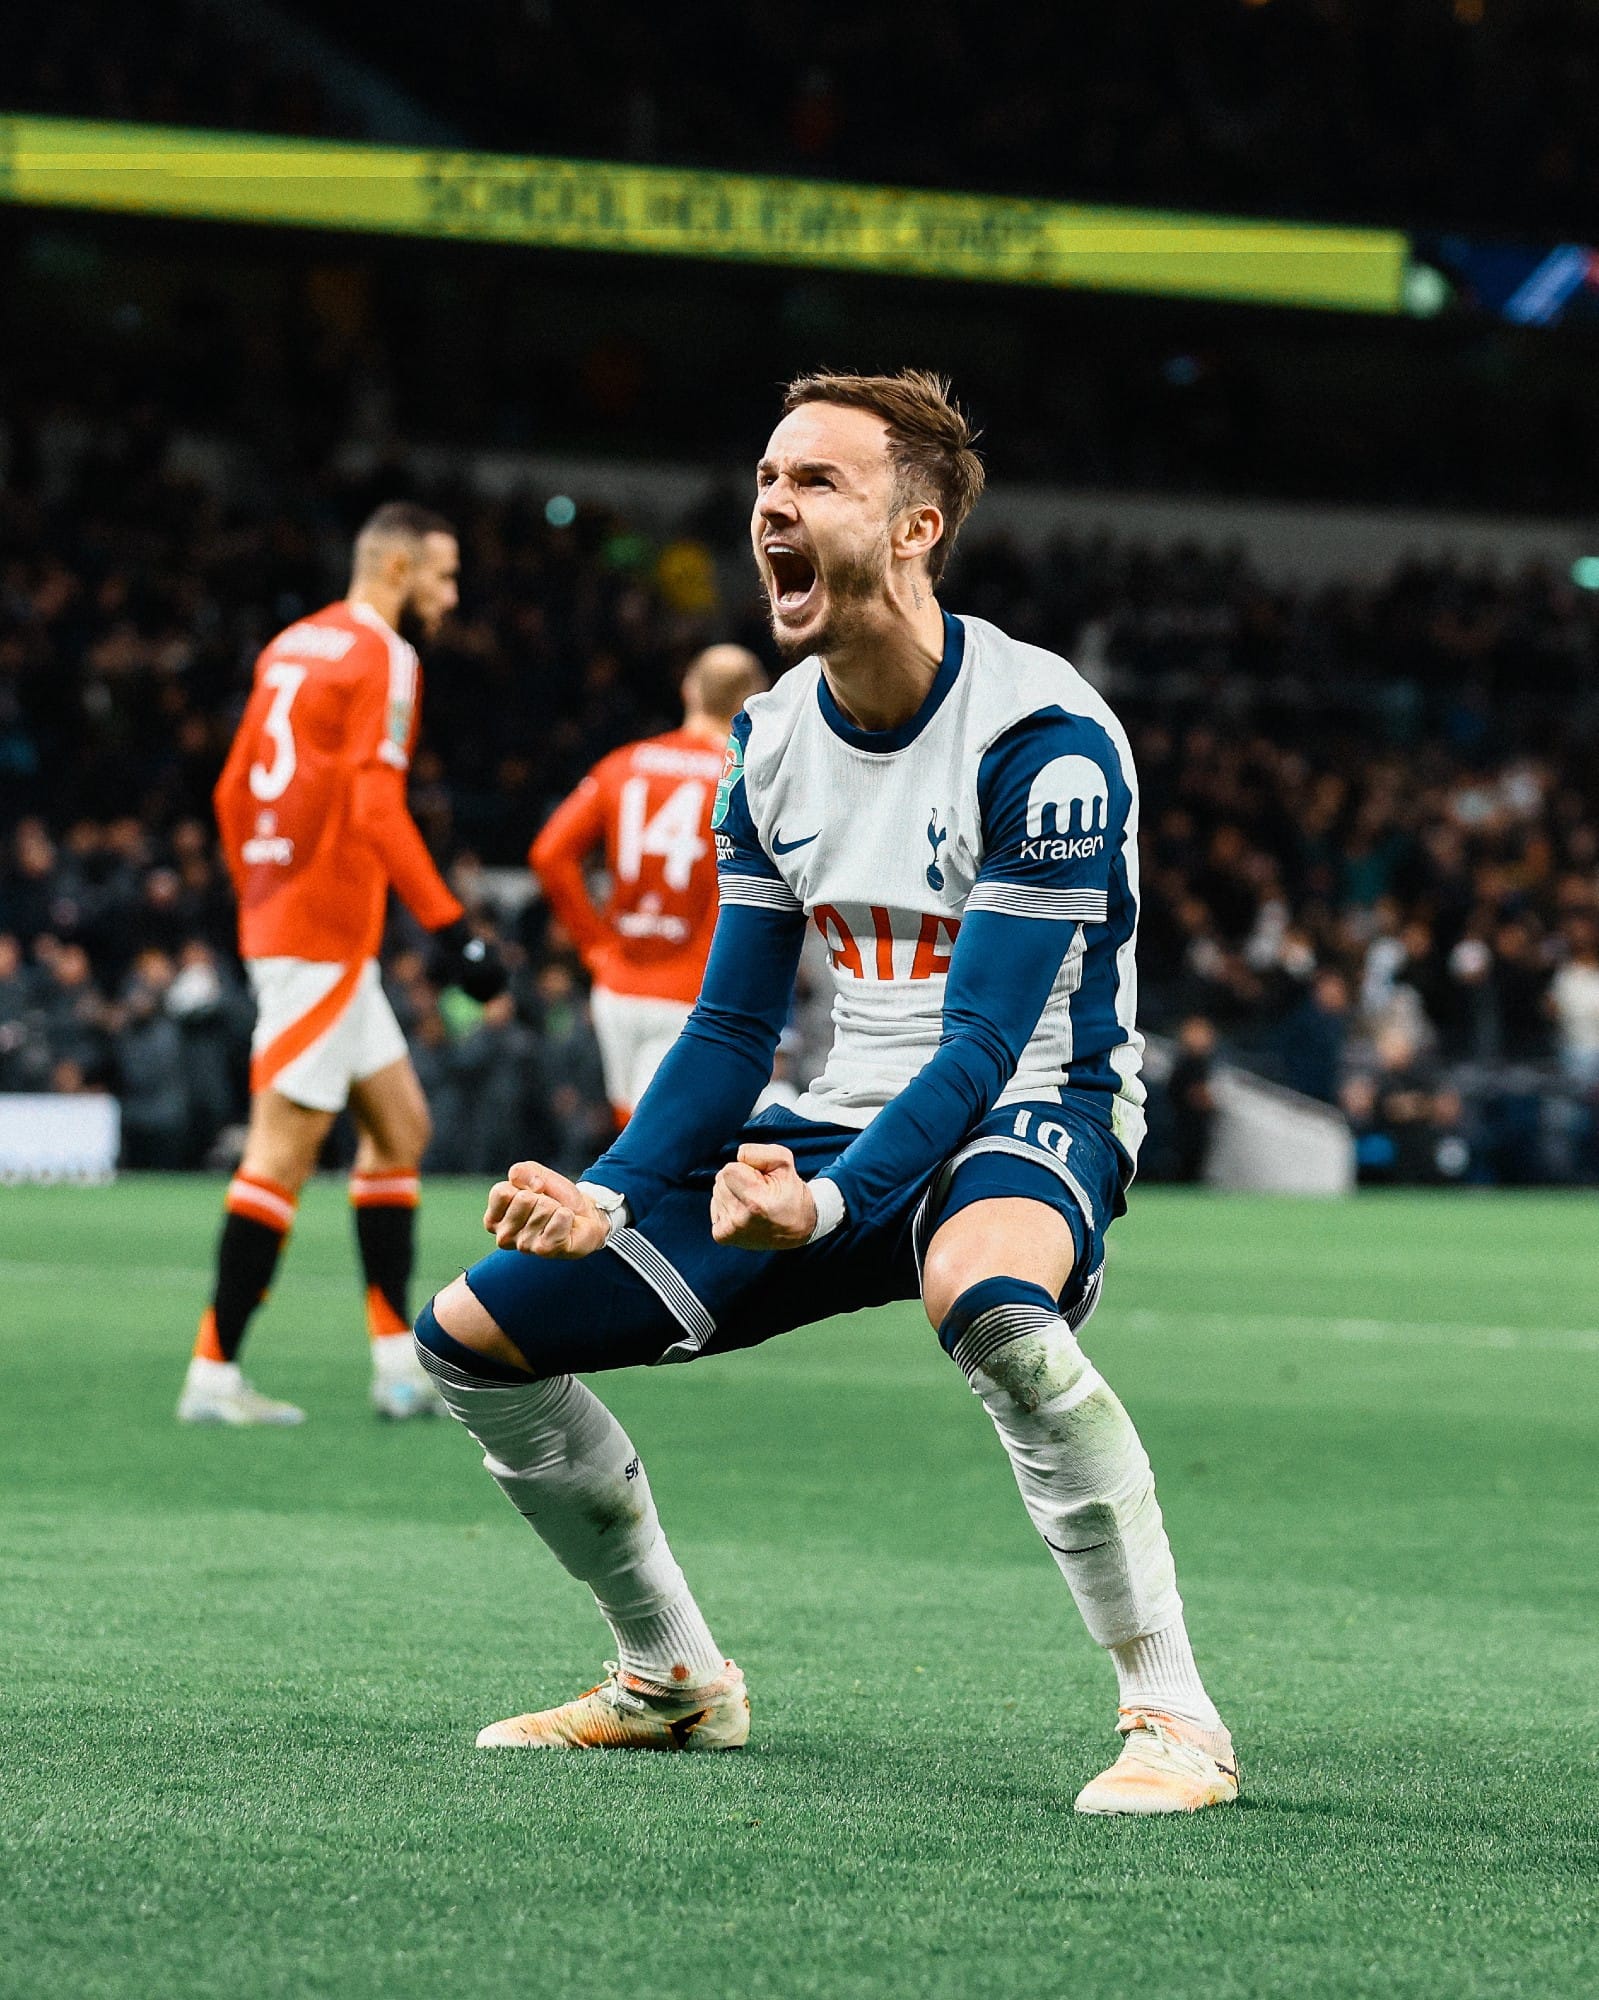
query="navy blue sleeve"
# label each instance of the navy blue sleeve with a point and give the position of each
(1054, 802)
(721, 1062)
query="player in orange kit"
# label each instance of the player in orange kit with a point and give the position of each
(649, 806)
(315, 830)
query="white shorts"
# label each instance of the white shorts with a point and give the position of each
(319, 1028)
(634, 1033)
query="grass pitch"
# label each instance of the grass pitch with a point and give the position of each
(242, 1672)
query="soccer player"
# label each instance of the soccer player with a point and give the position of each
(315, 829)
(649, 806)
(957, 814)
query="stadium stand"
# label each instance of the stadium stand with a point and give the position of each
(1369, 867)
(168, 65)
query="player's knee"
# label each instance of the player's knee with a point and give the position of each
(459, 1333)
(1007, 1334)
(286, 1161)
(944, 1279)
(399, 1148)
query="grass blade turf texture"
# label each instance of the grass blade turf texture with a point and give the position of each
(243, 1670)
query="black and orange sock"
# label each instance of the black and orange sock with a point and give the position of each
(259, 1216)
(385, 1229)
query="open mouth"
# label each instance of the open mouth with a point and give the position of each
(793, 575)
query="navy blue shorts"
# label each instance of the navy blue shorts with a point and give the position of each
(663, 1290)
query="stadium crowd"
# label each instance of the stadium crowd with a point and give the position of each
(1448, 111)
(1371, 862)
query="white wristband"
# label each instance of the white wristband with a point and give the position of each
(612, 1206)
(829, 1207)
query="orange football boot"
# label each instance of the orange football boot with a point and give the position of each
(626, 1712)
(1166, 1766)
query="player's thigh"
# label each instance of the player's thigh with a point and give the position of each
(653, 1046)
(558, 1316)
(608, 1012)
(320, 1028)
(391, 1115)
(634, 1032)
(1032, 1196)
(469, 1322)
(284, 1139)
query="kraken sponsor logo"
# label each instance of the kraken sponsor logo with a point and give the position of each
(1068, 809)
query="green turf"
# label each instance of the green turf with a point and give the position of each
(242, 1671)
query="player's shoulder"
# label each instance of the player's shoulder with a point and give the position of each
(325, 636)
(675, 753)
(345, 641)
(1018, 691)
(768, 719)
(1013, 678)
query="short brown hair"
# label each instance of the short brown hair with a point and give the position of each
(405, 520)
(929, 435)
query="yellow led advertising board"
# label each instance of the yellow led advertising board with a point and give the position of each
(680, 212)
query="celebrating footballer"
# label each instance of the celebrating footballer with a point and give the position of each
(957, 815)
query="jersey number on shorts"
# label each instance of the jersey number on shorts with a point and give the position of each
(271, 781)
(676, 834)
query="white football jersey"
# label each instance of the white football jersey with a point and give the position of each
(1012, 790)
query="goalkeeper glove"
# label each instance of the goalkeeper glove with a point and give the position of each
(460, 958)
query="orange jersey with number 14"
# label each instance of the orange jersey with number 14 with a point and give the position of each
(311, 802)
(648, 805)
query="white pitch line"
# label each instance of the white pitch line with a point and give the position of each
(1303, 1326)
(1422, 1333)
(168, 1277)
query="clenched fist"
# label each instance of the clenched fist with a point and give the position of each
(543, 1213)
(759, 1201)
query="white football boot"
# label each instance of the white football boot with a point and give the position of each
(215, 1392)
(626, 1712)
(401, 1386)
(1166, 1766)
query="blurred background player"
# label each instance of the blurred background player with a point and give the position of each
(315, 828)
(648, 805)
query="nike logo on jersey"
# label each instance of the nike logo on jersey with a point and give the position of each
(782, 846)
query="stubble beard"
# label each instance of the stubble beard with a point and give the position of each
(852, 582)
(412, 627)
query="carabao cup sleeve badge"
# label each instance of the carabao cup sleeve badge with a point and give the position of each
(732, 771)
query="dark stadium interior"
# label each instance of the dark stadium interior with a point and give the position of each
(291, 348)
(1359, 110)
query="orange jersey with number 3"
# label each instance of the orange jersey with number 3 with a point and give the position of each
(311, 802)
(649, 806)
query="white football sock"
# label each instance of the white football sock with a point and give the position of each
(214, 1374)
(570, 1470)
(393, 1354)
(1158, 1672)
(1087, 1486)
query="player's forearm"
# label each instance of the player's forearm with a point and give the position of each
(572, 832)
(230, 805)
(999, 982)
(720, 1063)
(383, 820)
(566, 892)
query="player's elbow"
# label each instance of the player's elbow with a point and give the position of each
(979, 1060)
(375, 802)
(736, 1036)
